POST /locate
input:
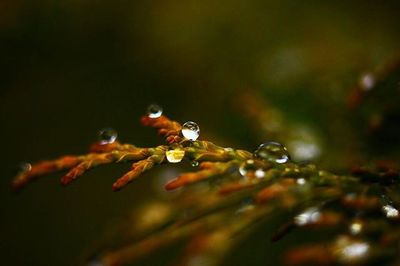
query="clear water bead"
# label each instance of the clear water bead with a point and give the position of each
(190, 130)
(107, 135)
(272, 151)
(154, 111)
(175, 155)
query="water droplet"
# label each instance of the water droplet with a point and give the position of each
(246, 166)
(24, 167)
(107, 135)
(175, 155)
(154, 111)
(390, 211)
(309, 216)
(190, 130)
(273, 152)
(195, 163)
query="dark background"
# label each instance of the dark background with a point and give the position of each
(69, 68)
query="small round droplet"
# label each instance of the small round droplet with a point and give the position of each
(154, 111)
(24, 167)
(273, 152)
(195, 163)
(246, 166)
(190, 130)
(175, 155)
(107, 135)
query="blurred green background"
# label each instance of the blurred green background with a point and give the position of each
(69, 68)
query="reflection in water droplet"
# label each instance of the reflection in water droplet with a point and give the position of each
(107, 135)
(190, 130)
(154, 111)
(309, 216)
(273, 152)
(175, 155)
(390, 211)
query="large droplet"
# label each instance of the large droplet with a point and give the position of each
(107, 135)
(175, 155)
(272, 151)
(154, 111)
(190, 130)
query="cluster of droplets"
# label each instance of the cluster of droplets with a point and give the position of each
(107, 135)
(190, 131)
